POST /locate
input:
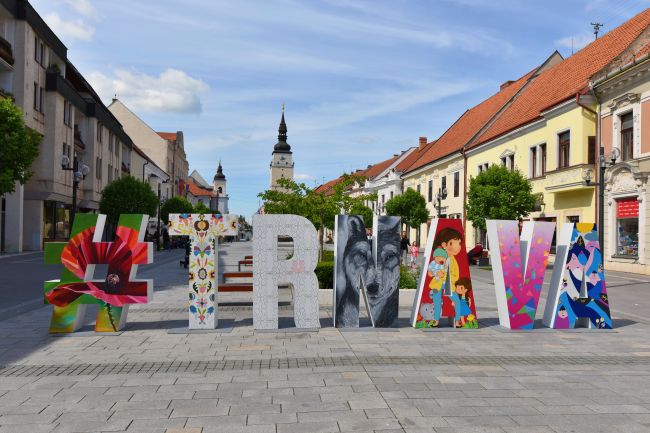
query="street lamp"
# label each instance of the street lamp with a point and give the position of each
(78, 174)
(440, 196)
(588, 176)
(159, 209)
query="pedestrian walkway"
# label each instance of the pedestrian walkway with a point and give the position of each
(149, 378)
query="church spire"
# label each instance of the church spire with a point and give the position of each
(282, 146)
(219, 175)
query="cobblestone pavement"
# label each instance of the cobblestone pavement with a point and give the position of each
(154, 377)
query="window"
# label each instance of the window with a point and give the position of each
(430, 191)
(41, 107)
(36, 98)
(67, 113)
(591, 149)
(110, 142)
(542, 163)
(456, 184)
(564, 143)
(67, 150)
(444, 185)
(508, 161)
(627, 142)
(627, 224)
(98, 168)
(533, 162)
(418, 188)
(391, 195)
(110, 173)
(482, 167)
(117, 147)
(36, 50)
(43, 60)
(100, 132)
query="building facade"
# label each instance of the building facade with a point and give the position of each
(165, 149)
(623, 90)
(58, 103)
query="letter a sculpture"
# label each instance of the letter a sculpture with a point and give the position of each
(203, 229)
(113, 292)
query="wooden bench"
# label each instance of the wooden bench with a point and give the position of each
(244, 263)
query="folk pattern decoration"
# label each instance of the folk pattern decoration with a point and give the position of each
(203, 230)
(116, 291)
(578, 293)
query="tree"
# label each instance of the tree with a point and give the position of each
(318, 207)
(127, 195)
(498, 193)
(410, 206)
(200, 207)
(18, 147)
(176, 204)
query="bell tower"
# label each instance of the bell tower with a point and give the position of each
(219, 200)
(281, 158)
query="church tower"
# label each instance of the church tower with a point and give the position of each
(219, 200)
(282, 159)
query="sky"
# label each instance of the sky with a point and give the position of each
(360, 80)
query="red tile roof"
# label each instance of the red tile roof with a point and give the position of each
(197, 190)
(167, 135)
(407, 162)
(564, 80)
(469, 124)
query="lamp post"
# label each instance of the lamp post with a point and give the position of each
(78, 174)
(440, 196)
(587, 176)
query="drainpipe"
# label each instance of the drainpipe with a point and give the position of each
(462, 152)
(600, 197)
(143, 165)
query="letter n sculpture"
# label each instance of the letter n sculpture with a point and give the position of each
(202, 230)
(113, 292)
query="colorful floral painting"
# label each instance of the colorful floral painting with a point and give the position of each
(203, 229)
(578, 289)
(519, 266)
(445, 286)
(77, 285)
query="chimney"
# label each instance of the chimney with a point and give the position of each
(423, 142)
(506, 84)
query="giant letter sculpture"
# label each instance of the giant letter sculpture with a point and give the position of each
(76, 287)
(578, 282)
(202, 230)
(518, 267)
(445, 285)
(269, 272)
(360, 268)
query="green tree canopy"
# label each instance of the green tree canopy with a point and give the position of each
(18, 147)
(176, 204)
(410, 206)
(127, 195)
(498, 193)
(320, 207)
(199, 207)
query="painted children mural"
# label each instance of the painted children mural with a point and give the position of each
(445, 288)
(578, 288)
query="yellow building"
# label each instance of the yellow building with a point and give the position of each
(548, 131)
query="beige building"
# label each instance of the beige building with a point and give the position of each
(60, 104)
(166, 149)
(623, 90)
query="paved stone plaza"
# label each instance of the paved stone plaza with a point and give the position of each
(155, 377)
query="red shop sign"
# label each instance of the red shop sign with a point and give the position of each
(628, 208)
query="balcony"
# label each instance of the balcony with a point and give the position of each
(6, 53)
(566, 179)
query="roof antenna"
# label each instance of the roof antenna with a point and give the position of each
(597, 27)
(571, 45)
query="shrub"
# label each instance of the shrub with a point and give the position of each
(407, 279)
(127, 195)
(328, 256)
(325, 273)
(175, 205)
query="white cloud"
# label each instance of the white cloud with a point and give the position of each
(172, 91)
(303, 176)
(576, 42)
(69, 29)
(83, 7)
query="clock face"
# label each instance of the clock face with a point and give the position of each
(282, 158)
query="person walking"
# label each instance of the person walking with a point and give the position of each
(404, 247)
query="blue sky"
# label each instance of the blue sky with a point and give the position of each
(361, 80)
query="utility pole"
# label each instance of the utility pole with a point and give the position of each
(597, 27)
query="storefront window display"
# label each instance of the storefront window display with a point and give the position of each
(627, 227)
